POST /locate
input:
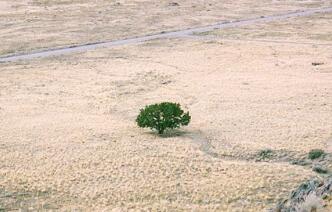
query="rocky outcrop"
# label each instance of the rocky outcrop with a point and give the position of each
(309, 197)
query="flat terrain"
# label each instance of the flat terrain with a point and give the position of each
(68, 139)
(27, 25)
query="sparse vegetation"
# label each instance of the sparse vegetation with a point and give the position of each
(316, 153)
(319, 169)
(163, 116)
(265, 154)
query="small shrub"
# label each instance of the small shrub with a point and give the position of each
(319, 169)
(265, 154)
(315, 153)
(163, 116)
(301, 162)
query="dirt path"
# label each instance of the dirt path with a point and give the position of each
(204, 144)
(179, 33)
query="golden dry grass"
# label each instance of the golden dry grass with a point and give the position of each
(68, 138)
(38, 24)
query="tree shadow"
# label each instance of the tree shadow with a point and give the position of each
(169, 133)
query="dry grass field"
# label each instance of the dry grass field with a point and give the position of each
(27, 25)
(68, 139)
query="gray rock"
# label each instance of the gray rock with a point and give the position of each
(322, 188)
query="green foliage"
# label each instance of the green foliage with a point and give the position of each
(319, 169)
(166, 115)
(265, 154)
(316, 153)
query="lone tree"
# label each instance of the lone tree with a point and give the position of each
(166, 115)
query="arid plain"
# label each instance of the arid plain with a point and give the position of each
(68, 139)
